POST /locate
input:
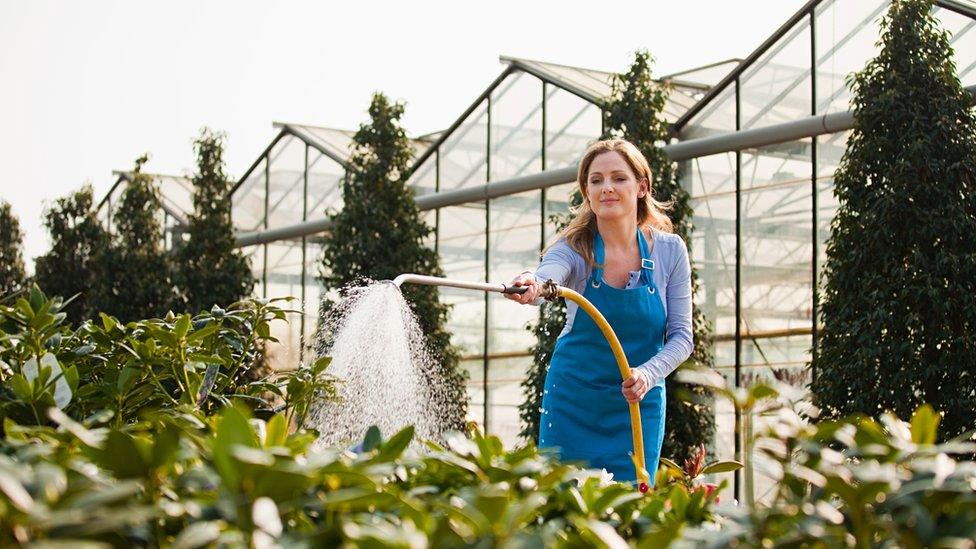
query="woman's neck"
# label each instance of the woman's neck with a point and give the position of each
(617, 234)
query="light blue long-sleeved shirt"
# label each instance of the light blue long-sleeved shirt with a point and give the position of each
(672, 276)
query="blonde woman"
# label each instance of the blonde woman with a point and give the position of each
(620, 253)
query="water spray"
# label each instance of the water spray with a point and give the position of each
(552, 291)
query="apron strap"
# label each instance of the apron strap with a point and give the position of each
(596, 278)
(647, 264)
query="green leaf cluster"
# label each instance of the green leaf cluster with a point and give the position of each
(74, 264)
(12, 274)
(379, 233)
(848, 482)
(116, 372)
(899, 282)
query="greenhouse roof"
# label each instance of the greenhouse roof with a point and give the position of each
(336, 143)
(176, 193)
(596, 86)
(782, 36)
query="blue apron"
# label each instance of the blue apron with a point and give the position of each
(584, 414)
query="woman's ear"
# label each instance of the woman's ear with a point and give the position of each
(643, 188)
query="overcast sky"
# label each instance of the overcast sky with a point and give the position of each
(86, 87)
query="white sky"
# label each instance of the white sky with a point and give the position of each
(86, 87)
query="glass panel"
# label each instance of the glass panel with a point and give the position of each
(713, 254)
(514, 243)
(718, 116)
(313, 292)
(723, 441)
(777, 239)
(963, 42)
(463, 154)
(284, 280)
(571, 125)
(424, 177)
(776, 88)
(475, 369)
(846, 37)
(557, 203)
(324, 175)
(516, 127)
(462, 251)
(505, 395)
(830, 148)
(248, 201)
(287, 180)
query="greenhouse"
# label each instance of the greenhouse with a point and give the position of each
(757, 141)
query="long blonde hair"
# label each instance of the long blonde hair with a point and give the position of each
(650, 212)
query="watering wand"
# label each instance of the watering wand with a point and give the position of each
(552, 291)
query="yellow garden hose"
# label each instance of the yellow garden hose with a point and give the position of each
(550, 290)
(636, 430)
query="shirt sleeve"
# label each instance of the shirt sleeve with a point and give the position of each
(679, 341)
(561, 264)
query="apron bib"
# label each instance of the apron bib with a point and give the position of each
(584, 415)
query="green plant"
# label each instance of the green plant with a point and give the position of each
(899, 281)
(73, 266)
(379, 234)
(207, 268)
(12, 275)
(135, 276)
(119, 371)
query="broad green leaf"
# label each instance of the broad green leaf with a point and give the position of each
(372, 439)
(276, 432)
(393, 448)
(925, 425)
(721, 467)
(233, 428)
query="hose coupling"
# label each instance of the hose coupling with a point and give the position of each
(549, 291)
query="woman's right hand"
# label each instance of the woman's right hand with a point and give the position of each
(527, 280)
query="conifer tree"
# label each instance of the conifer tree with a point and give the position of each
(12, 275)
(74, 264)
(207, 269)
(380, 234)
(136, 281)
(899, 281)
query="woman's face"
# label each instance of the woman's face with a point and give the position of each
(612, 188)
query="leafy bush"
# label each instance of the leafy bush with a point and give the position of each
(116, 372)
(82, 460)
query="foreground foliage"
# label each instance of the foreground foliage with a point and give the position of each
(113, 437)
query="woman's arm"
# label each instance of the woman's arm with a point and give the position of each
(679, 341)
(561, 264)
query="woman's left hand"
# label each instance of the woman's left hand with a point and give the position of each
(636, 386)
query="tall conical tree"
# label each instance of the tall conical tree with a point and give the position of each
(899, 282)
(12, 275)
(74, 263)
(207, 269)
(136, 282)
(379, 234)
(635, 113)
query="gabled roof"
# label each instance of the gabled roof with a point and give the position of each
(176, 193)
(337, 143)
(596, 86)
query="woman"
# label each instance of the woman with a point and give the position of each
(620, 254)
